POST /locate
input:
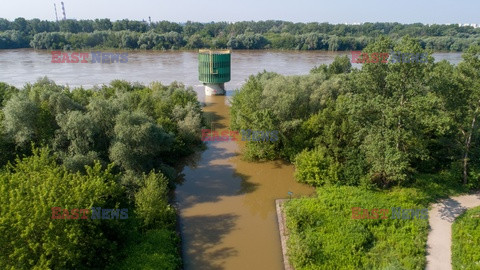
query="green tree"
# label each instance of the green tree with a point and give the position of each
(315, 168)
(468, 110)
(152, 202)
(32, 239)
(394, 137)
(195, 42)
(21, 25)
(138, 142)
(102, 24)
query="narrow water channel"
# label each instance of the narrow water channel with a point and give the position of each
(227, 205)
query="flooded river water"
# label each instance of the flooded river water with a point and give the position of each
(228, 217)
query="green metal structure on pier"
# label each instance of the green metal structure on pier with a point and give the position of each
(214, 69)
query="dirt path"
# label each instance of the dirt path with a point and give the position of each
(441, 217)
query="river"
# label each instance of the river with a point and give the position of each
(228, 218)
(227, 210)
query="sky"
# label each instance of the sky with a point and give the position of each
(344, 11)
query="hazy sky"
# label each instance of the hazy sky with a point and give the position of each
(350, 11)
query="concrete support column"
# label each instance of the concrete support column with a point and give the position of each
(214, 89)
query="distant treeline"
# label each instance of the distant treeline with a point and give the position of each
(164, 35)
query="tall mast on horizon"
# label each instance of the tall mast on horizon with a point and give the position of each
(63, 8)
(56, 16)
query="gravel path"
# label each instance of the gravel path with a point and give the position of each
(441, 217)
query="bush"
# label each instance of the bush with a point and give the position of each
(157, 249)
(466, 240)
(315, 168)
(152, 202)
(139, 129)
(323, 234)
(32, 239)
(138, 140)
(6, 92)
(259, 151)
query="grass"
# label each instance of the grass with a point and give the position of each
(157, 249)
(466, 240)
(323, 234)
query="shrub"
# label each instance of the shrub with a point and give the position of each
(466, 240)
(157, 249)
(152, 202)
(31, 238)
(323, 234)
(315, 168)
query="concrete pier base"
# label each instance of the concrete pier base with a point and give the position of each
(215, 89)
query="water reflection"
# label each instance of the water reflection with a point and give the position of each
(208, 232)
(223, 186)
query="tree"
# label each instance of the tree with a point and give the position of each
(166, 27)
(152, 202)
(400, 113)
(315, 168)
(195, 42)
(32, 239)
(138, 142)
(248, 41)
(70, 26)
(5, 25)
(20, 120)
(341, 64)
(76, 140)
(141, 129)
(173, 40)
(21, 25)
(102, 24)
(151, 40)
(6, 92)
(469, 80)
(129, 40)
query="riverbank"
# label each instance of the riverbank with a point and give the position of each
(282, 228)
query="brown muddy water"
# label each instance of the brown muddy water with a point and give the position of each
(227, 208)
(227, 205)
